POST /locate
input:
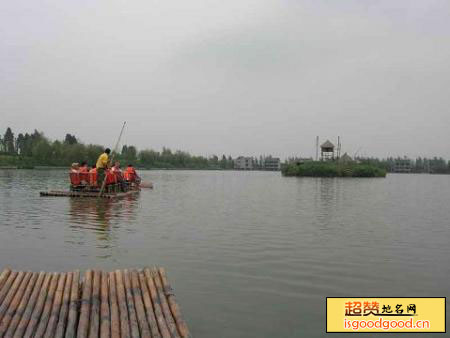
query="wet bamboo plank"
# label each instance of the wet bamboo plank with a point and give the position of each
(95, 306)
(105, 321)
(33, 312)
(115, 319)
(61, 326)
(131, 309)
(148, 306)
(72, 319)
(123, 309)
(139, 305)
(119, 304)
(7, 314)
(164, 305)
(87, 194)
(7, 286)
(163, 329)
(4, 276)
(174, 308)
(34, 284)
(45, 316)
(56, 307)
(83, 324)
(11, 293)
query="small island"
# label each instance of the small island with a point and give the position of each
(331, 165)
(332, 169)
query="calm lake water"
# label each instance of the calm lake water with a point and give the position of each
(249, 254)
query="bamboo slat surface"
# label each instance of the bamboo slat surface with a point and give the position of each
(122, 303)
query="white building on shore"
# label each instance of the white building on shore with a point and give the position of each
(271, 163)
(243, 163)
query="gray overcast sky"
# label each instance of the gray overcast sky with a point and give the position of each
(235, 77)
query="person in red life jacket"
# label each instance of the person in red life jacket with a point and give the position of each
(74, 175)
(84, 173)
(131, 175)
(75, 168)
(118, 174)
(84, 167)
(93, 176)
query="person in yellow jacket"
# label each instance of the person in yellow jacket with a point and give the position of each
(102, 165)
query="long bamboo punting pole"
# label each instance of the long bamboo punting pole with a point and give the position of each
(20, 311)
(105, 322)
(56, 307)
(123, 310)
(95, 306)
(115, 319)
(102, 188)
(130, 303)
(156, 305)
(174, 308)
(7, 315)
(4, 276)
(164, 305)
(33, 312)
(83, 324)
(62, 319)
(73, 306)
(45, 316)
(7, 285)
(139, 305)
(148, 306)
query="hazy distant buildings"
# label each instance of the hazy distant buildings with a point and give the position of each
(271, 163)
(402, 165)
(243, 163)
(252, 163)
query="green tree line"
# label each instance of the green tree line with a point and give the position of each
(434, 165)
(35, 149)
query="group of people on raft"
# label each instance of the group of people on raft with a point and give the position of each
(83, 177)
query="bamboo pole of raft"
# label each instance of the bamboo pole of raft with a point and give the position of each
(83, 324)
(156, 303)
(140, 310)
(164, 305)
(7, 314)
(73, 306)
(121, 299)
(20, 311)
(56, 307)
(4, 276)
(148, 306)
(31, 316)
(130, 302)
(115, 321)
(60, 327)
(7, 285)
(11, 292)
(43, 321)
(102, 188)
(105, 322)
(174, 308)
(95, 306)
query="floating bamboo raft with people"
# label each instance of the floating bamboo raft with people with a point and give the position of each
(83, 183)
(105, 179)
(122, 303)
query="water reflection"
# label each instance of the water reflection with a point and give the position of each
(101, 215)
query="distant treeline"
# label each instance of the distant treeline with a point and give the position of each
(332, 169)
(34, 149)
(435, 165)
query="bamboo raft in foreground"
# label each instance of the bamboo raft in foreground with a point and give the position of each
(58, 193)
(123, 303)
